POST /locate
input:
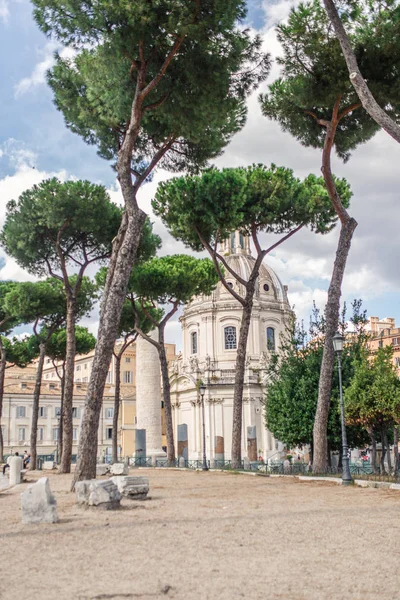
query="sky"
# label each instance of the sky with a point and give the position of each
(35, 144)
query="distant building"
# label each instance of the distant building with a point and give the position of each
(385, 333)
(18, 399)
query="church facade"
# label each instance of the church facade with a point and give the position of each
(210, 327)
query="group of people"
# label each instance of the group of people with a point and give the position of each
(26, 459)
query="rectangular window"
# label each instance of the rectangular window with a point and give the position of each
(21, 434)
(78, 367)
(109, 413)
(128, 377)
(75, 434)
(397, 361)
(21, 411)
(193, 337)
(230, 338)
(127, 359)
(84, 379)
(395, 341)
(271, 339)
(43, 412)
(109, 433)
(109, 377)
(75, 413)
(85, 366)
(55, 434)
(40, 434)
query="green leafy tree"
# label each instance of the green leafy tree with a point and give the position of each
(60, 229)
(202, 210)
(292, 392)
(42, 304)
(169, 281)
(381, 31)
(372, 398)
(56, 350)
(149, 85)
(314, 100)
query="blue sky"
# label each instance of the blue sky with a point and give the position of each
(34, 143)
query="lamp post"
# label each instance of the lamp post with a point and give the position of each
(202, 390)
(338, 343)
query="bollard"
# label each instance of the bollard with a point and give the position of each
(15, 470)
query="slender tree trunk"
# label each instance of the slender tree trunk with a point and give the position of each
(117, 400)
(328, 356)
(66, 416)
(239, 376)
(122, 259)
(2, 376)
(373, 448)
(60, 428)
(383, 451)
(367, 99)
(396, 448)
(389, 458)
(348, 225)
(169, 427)
(35, 406)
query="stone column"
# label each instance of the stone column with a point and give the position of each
(140, 443)
(15, 470)
(183, 441)
(148, 395)
(252, 443)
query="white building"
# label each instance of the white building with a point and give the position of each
(210, 327)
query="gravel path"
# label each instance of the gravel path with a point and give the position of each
(206, 536)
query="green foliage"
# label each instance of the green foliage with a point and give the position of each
(373, 396)
(314, 74)
(39, 302)
(200, 97)
(213, 204)
(56, 347)
(173, 279)
(76, 214)
(292, 392)
(20, 352)
(7, 323)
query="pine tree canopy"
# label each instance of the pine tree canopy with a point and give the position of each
(199, 99)
(314, 74)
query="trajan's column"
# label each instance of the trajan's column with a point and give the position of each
(148, 395)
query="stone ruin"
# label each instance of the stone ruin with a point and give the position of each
(38, 503)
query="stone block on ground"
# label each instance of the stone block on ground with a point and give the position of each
(119, 469)
(49, 465)
(38, 503)
(102, 469)
(103, 494)
(16, 465)
(135, 488)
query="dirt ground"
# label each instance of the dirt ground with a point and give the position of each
(207, 536)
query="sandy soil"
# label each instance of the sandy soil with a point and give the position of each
(208, 536)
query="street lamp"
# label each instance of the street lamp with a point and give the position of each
(202, 390)
(338, 343)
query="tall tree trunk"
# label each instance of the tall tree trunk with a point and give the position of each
(239, 376)
(396, 448)
(383, 470)
(348, 225)
(373, 448)
(60, 428)
(35, 406)
(328, 356)
(169, 427)
(117, 400)
(389, 458)
(67, 425)
(121, 262)
(2, 376)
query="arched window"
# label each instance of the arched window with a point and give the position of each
(193, 342)
(241, 241)
(233, 243)
(271, 338)
(230, 338)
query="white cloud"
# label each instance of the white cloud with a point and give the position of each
(38, 75)
(4, 10)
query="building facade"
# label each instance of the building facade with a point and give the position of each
(210, 327)
(385, 333)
